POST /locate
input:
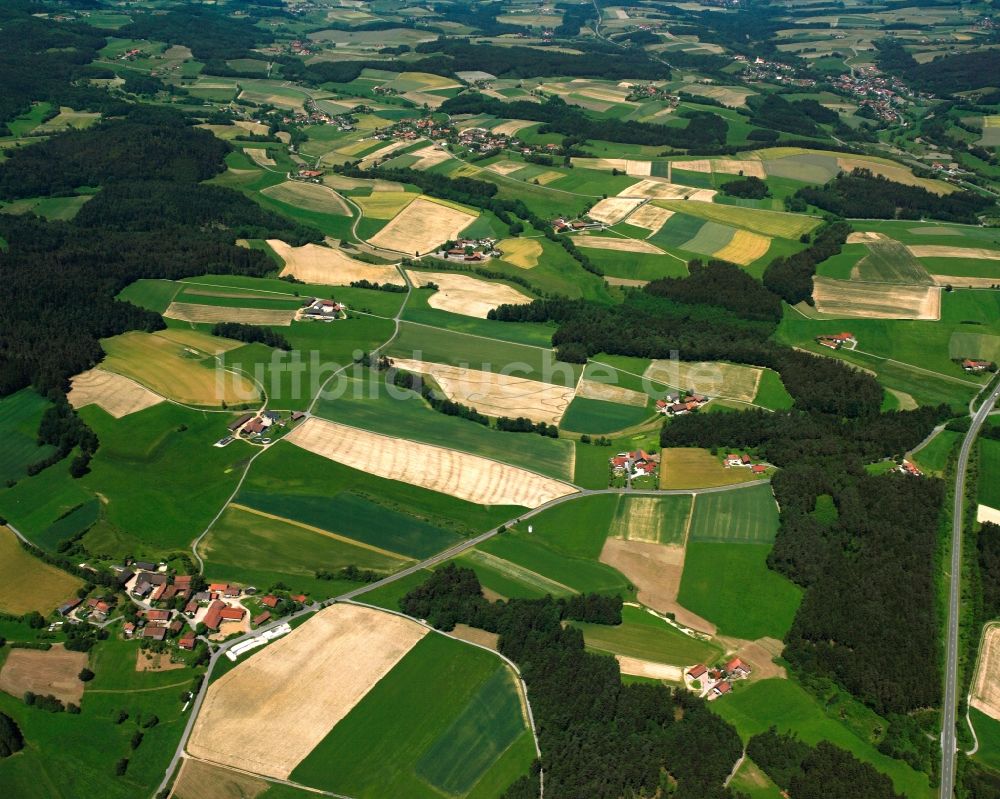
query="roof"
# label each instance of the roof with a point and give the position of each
(233, 614)
(157, 615)
(735, 663)
(265, 616)
(697, 671)
(758, 468)
(299, 597)
(158, 633)
(269, 601)
(722, 687)
(732, 456)
(214, 615)
(218, 586)
(242, 420)
(182, 580)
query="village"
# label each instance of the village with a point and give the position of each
(468, 250)
(882, 95)
(172, 613)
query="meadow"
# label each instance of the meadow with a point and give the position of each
(770, 223)
(27, 583)
(155, 295)
(771, 392)
(749, 515)
(599, 417)
(645, 636)
(250, 549)
(730, 585)
(754, 707)
(461, 732)
(988, 735)
(302, 474)
(687, 467)
(20, 414)
(752, 781)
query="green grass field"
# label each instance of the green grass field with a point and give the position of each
(662, 520)
(304, 476)
(586, 415)
(769, 223)
(27, 583)
(475, 352)
(989, 471)
(446, 719)
(891, 262)
(934, 457)
(69, 756)
(254, 550)
(363, 404)
(988, 734)
(771, 392)
(754, 707)
(753, 782)
(155, 295)
(356, 516)
(643, 635)
(20, 414)
(731, 586)
(748, 516)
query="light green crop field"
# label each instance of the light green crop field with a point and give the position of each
(20, 414)
(966, 344)
(155, 295)
(55, 208)
(365, 404)
(710, 238)
(301, 474)
(27, 583)
(447, 718)
(731, 586)
(660, 520)
(749, 515)
(891, 262)
(989, 470)
(645, 636)
(251, 549)
(988, 735)
(475, 352)
(586, 415)
(769, 223)
(754, 707)
(771, 392)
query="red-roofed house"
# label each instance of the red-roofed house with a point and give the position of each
(186, 641)
(218, 586)
(745, 459)
(720, 688)
(732, 459)
(158, 615)
(758, 468)
(299, 597)
(213, 618)
(975, 366)
(263, 617)
(270, 601)
(128, 628)
(232, 614)
(231, 591)
(190, 609)
(737, 666)
(697, 672)
(156, 633)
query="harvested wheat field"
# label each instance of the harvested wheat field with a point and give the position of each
(638, 169)
(458, 474)
(940, 251)
(378, 186)
(520, 252)
(308, 197)
(865, 237)
(496, 394)
(429, 156)
(655, 570)
(259, 155)
(591, 389)
(116, 394)
(422, 226)
(617, 244)
(174, 370)
(194, 312)
(659, 189)
(329, 266)
(506, 167)
(637, 667)
(382, 152)
(986, 683)
(984, 513)
(256, 128)
(512, 126)
(384, 204)
(613, 210)
(900, 174)
(198, 780)
(714, 378)
(476, 636)
(44, 672)
(725, 166)
(876, 301)
(744, 248)
(467, 295)
(651, 217)
(254, 718)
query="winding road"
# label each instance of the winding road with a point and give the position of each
(949, 742)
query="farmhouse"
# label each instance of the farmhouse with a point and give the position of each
(836, 340)
(213, 618)
(186, 641)
(232, 614)
(634, 464)
(156, 632)
(238, 423)
(978, 367)
(157, 615)
(269, 601)
(684, 402)
(67, 607)
(128, 628)
(323, 310)
(261, 618)
(738, 668)
(697, 672)
(908, 468)
(719, 689)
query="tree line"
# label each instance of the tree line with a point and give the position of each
(791, 276)
(251, 334)
(598, 738)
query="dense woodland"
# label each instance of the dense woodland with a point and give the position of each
(251, 334)
(599, 738)
(703, 132)
(11, 740)
(791, 276)
(823, 771)
(863, 195)
(948, 74)
(158, 224)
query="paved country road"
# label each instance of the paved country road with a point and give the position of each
(949, 744)
(434, 560)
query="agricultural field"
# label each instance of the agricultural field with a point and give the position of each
(20, 414)
(27, 583)
(697, 468)
(461, 733)
(749, 515)
(462, 294)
